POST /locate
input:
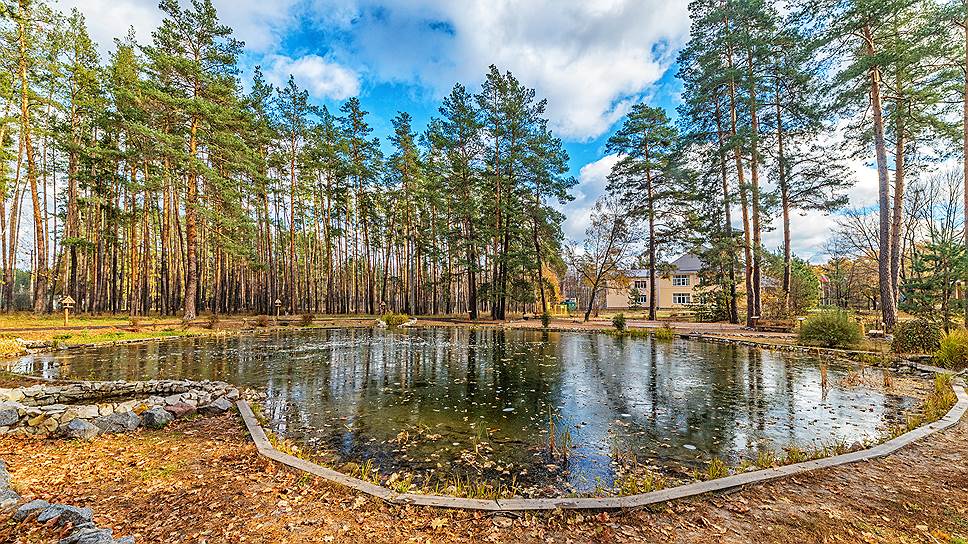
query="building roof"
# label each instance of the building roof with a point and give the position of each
(686, 263)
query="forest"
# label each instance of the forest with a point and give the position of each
(158, 184)
(781, 107)
(158, 181)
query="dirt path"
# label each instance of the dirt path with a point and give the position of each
(202, 481)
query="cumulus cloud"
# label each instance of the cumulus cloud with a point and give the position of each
(590, 59)
(259, 23)
(321, 77)
(592, 181)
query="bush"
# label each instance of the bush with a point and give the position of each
(830, 329)
(545, 319)
(619, 322)
(664, 332)
(953, 350)
(306, 319)
(394, 319)
(916, 336)
(262, 320)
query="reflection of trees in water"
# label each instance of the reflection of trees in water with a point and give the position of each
(348, 387)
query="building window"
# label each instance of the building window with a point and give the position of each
(680, 280)
(641, 284)
(643, 299)
(681, 298)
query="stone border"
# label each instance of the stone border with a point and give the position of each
(589, 503)
(84, 409)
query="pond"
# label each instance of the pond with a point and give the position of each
(451, 402)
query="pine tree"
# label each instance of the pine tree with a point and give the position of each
(646, 144)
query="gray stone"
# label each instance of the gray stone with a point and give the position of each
(65, 514)
(8, 498)
(156, 418)
(89, 411)
(173, 399)
(180, 409)
(120, 422)
(78, 428)
(220, 406)
(9, 415)
(125, 540)
(89, 535)
(36, 505)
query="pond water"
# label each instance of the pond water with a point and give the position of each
(452, 401)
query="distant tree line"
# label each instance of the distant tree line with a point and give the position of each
(156, 183)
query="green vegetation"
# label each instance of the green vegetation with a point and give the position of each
(211, 193)
(938, 402)
(394, 320)
(831, 329)
(953, 350)
(664, 332)
(715, 470)
(916, 336)
(618, 321)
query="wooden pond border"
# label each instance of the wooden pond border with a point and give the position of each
(266, 449)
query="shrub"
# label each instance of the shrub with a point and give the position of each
(306, 319)
(262, 320)
(916, 336)
(619, 322)
(664, 332)
(394, 319)
(545, 319)
(830, 329)
(953, 349)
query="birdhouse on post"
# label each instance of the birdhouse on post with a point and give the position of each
(278, 304)
(67, 303)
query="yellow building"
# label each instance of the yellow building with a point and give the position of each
(675, 286)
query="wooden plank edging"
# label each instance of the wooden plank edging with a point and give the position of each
(266, 449)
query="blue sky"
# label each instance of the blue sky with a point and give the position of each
(592, 59)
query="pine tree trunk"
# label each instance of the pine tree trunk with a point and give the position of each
(897, 213)
(888, 308)
(784, 200)
(964, 151)
(727, 218)
(40, 286)
(191, 230)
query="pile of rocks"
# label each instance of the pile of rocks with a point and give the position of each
(85, 409)
(79, 520)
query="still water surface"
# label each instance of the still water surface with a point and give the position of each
(460, 401)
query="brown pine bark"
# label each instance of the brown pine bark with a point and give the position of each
(886, 288)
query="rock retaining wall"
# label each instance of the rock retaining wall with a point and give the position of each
(86, 409)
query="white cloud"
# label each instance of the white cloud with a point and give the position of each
(590, 59)
(259, 23)
(592, 181)
(322, 78)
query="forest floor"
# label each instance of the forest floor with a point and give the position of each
(201, 480)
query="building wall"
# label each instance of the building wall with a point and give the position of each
(669, 291)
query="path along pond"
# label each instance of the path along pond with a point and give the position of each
(443, 403)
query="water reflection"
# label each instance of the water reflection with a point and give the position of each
(353, 392)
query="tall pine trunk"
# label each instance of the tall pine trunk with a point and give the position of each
(885, 283)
